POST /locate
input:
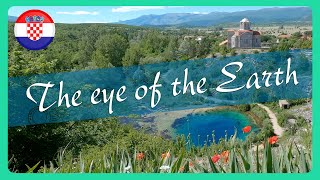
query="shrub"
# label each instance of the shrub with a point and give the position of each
(244, 107)
(283, 118)
(233, 158)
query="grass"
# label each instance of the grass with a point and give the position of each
(240, 158)
(115, 148)
(284, 114)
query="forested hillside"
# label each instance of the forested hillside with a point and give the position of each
(90, 46)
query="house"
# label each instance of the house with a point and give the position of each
(284, 36)
(199, 38)
(188, 38)
(196, 38)
(244, 37)
(284, 104)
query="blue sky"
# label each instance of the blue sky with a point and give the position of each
(107, 14)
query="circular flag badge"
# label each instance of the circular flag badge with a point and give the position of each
(34, 29)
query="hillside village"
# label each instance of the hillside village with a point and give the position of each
(269, 37)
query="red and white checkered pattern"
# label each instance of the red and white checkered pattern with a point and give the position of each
(34, 31)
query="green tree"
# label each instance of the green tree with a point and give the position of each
(233, 52)
(170, 52)
(110, 49)
(86, 48)
(203, 47)
(267, 38)
(133, 55)
(154, 43)
(187, 49)
(296, 35)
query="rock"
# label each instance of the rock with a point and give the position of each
(292, 121)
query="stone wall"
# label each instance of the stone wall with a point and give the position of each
(230, 34)
(256, 41)
(246, 40)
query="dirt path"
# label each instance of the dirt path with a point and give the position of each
(278, 130)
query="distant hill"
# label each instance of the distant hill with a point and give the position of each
(266, 15)
(12, 18)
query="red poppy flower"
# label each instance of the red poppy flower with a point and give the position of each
(190, 164)
(273, 139)
(215, 158)
(246, 129)
(165, 155)
(140, 156)
(225, 156)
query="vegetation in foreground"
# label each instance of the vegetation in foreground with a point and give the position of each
(235, 158)
(126, 150)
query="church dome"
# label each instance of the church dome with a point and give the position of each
(245, 20)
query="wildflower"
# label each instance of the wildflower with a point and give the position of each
(273, 139)
(215, 158)
(140, 156)
(165, 168)
(246, 129)
(181, 169)
(127, 169)
(225, 156)
(200, 161)
(165, 155)
(190, 164)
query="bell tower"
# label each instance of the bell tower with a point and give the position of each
(244, 24)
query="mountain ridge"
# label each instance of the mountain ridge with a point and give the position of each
(265, 15)
(12, 18)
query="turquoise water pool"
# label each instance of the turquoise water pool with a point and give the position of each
(203, 124)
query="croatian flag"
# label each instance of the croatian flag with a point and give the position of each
(34, 29)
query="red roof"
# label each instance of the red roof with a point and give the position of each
(256, 33)
(243, 30)
(240, 32)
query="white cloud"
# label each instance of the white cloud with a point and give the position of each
(85, 22)
(79, 13)
(136, 8)
(97, 22)
(200, 13)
